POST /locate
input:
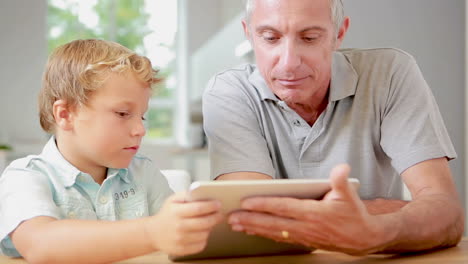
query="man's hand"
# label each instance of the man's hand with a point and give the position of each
(339, 222)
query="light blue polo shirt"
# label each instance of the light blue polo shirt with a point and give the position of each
(48, 185)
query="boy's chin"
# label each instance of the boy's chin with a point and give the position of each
(120, 165)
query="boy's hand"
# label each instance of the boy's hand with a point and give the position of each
(182, 228)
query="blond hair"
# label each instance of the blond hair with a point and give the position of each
(78, 68)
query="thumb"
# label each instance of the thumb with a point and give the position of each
(340, 188)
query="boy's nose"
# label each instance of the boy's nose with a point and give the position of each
(139, 129)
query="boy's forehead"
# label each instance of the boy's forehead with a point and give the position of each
(122, 85)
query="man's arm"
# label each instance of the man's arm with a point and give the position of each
(384, 206)
(244, 175)
(435, 216)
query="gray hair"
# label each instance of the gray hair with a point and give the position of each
(336, 8)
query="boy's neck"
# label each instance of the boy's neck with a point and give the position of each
(98, 173)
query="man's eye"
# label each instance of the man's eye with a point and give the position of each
(309, 39)
(270, 38)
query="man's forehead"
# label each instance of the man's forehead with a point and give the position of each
(290, 9)
(282, 4)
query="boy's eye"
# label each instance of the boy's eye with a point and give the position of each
(122, 114)
(143, 118)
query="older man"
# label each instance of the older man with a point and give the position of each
(309, 110)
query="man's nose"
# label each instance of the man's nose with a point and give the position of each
(290, 58)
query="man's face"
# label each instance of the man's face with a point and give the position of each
(293, 41)
(109, 129)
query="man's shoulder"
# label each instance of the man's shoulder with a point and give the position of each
(387, 54)
(239, 71)
(236, 76)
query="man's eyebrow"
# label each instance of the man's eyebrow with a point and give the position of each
(313, 28)
(262, 28)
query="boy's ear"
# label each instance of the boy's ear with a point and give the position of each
(63, 115)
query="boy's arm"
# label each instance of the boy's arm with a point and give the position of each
(47, 240)
(180, 228)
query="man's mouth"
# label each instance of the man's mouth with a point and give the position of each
(292, 82)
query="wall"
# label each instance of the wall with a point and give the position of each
(230, 9)
(433, 31)
(23, 54)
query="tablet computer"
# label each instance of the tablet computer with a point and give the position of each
(223, 242)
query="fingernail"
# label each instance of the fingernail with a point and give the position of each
(246, 205)
(233, 220)
(237, 228)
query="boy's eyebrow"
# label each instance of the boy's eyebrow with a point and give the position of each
(125, 102)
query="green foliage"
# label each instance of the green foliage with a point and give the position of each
(122, 21)
(5, 147)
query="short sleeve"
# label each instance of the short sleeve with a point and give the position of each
(412, 128)
(24, 194)
(232, 123)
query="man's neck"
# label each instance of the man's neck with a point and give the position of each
(310, 112)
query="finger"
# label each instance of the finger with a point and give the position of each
(281, 206)
(196, 209)
(273, 227)
(204, 223)
(242, 221)
(179, 197)
(340, 188)
(187, 238)
(185, 249)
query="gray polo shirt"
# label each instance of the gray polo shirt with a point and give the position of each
(381, 119)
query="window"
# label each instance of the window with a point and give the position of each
(148, 27)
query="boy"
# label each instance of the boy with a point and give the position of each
(93, 99)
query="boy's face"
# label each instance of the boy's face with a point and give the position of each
(107, 132)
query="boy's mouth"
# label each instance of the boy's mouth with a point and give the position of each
(135, 148)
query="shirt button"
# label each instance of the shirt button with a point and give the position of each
(82, 178)
(71, 215)
(139, 214)
(297, 122)
(103, 199)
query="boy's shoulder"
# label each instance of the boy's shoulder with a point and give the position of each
(142, 164)
(29, 162)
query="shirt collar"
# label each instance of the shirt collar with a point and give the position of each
(69, 173)
(259, 83)
(343, 80)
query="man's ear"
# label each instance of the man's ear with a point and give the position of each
(342, 32)
(245, 26)
(63, 115)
